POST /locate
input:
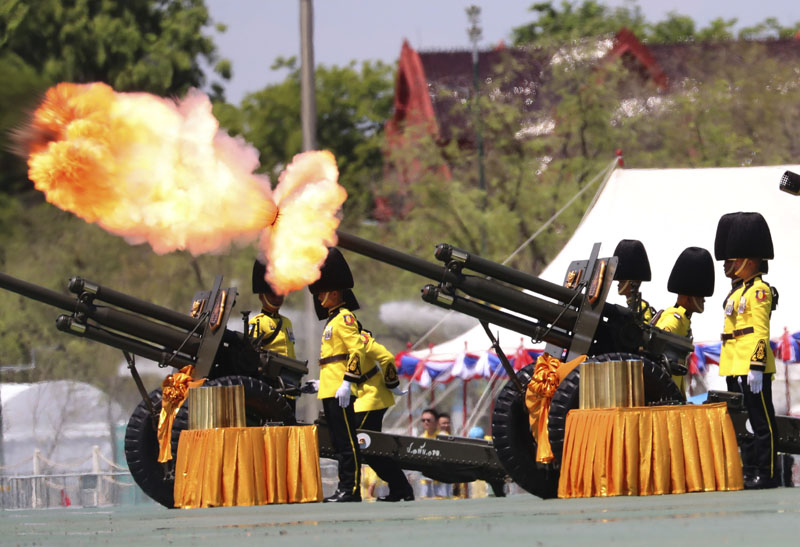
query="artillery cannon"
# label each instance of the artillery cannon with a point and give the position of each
(573, 319)
(200, 338)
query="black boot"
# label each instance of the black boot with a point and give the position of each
(759, 482)
(408, 496)
(340, 496)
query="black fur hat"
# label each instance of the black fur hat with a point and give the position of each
(693, 273)
(749, 237)
(633, 264)
(721, 239)
(335, 275)
(260, 285)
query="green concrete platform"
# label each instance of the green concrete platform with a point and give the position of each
(768, 517)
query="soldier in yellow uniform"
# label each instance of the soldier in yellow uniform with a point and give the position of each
(746, 357)
(692, 279)
(341, 357)
(376, 389)
(633, 267)
(272, 330)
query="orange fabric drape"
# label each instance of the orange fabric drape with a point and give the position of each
(642, 451)
(547, 375)
(247, 466)
(173, 393)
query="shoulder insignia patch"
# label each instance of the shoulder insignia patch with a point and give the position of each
(760, 354)
(349, 319)
(761, 295)
(364, 338)
(390, 375)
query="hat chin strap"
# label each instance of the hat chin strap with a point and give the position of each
(738, 270)
(698, 304)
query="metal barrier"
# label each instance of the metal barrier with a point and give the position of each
(70, 490)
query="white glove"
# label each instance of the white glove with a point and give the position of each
(755, 379)
(343, 394)
(399, 391)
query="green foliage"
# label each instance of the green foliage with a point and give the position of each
(572, 20)
(137, 45)
(528, 177)
(21, 90)
(746, 113)
(352, 106)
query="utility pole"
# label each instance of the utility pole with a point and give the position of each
(308, 123)
(475, 33)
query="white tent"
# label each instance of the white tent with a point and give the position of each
(669, 210)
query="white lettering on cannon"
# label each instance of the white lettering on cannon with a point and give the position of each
(421, 450)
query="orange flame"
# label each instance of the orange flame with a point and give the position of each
(160, 171)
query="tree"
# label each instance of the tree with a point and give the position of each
(573, 21)
(138, 45)
(156, 46)
(352, 105)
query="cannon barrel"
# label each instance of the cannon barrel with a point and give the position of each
(79, 285)
(128, 324)
(483, 289)
(67, 324)
(433, 295)
(447, 253)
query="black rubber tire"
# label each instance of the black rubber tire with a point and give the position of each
(658, 386)
(514, 443)
(141, 452)
(262, 404)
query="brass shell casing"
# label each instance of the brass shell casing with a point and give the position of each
(216, 406)
(611, 384)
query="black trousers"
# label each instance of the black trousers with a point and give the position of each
(759, 454)
(342, 429)
(386, 468)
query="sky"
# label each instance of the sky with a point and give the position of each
(259, 31)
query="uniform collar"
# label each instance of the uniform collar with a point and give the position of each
(274, 314)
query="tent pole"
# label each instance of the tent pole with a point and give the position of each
(464, 406)
(410, 410)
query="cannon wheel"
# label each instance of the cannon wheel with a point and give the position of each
(658, 386)
(141, 452)
(516, 448)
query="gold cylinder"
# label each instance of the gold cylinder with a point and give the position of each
(238, 398)
(601, 385)
(624, 383)
(637, 382)
(216, 406)
(618, 381)
(583, 384)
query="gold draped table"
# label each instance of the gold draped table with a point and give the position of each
(641, 451)
(247, 466)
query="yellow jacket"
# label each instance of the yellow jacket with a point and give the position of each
(342, 352)
(746, 336)
(264, 324)
(675, 320)
(374, 392)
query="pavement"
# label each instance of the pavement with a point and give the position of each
(766, 517)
